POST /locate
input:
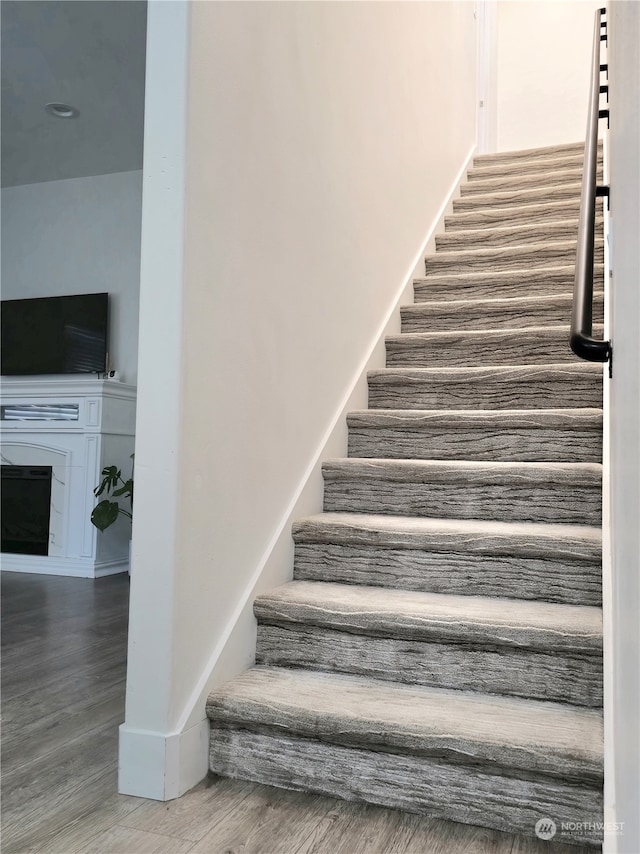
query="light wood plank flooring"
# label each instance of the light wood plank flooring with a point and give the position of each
(63, 681)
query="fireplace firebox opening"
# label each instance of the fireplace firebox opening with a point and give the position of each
(26, 509)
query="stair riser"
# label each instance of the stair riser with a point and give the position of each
(534, 445)
(516, 181)
(413, 783)
(517, 198)
(507, 259)
(540, 347)
(465, 666)
(456, 571)
(395, 391)
(553, 311)
(487, 285)
(571, 502)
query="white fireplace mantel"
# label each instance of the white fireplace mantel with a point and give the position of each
(77, 426)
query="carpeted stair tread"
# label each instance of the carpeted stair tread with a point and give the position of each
(549, 562)
(567, 160)
(511, 647)
(517, 197)
(485, 283)
(461, 619)
(531, 154)
(526, 214)
(552, 309)
(504, 258)
(569, 435)
(430, 471)
(529, 345)
(573, 384)
(519, 234)
(530, 539)
(522, 181)
(505, 733)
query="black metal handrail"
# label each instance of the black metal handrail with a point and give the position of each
(581, 339)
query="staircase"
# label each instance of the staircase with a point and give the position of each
(440, 647)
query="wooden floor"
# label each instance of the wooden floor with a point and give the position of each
(63, 680)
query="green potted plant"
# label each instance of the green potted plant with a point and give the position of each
(107, 511)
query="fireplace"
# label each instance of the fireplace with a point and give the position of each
(26, 509)
(57, 436)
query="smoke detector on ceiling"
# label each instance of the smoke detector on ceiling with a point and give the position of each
(62, 111)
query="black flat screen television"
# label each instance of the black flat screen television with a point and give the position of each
(55, 335)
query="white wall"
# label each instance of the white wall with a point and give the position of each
(543, 59)
(624, 426)
(322, 139)
(78, 236)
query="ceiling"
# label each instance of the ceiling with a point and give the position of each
(86, 53)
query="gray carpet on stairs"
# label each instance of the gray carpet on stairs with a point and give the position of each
(439, 648)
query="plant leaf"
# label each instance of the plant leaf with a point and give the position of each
(111, 475)
(104, 514)
(125, 489)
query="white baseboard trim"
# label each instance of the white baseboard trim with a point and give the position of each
(163, 766)
(73, 567)
(160, 766)
(102, 570)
